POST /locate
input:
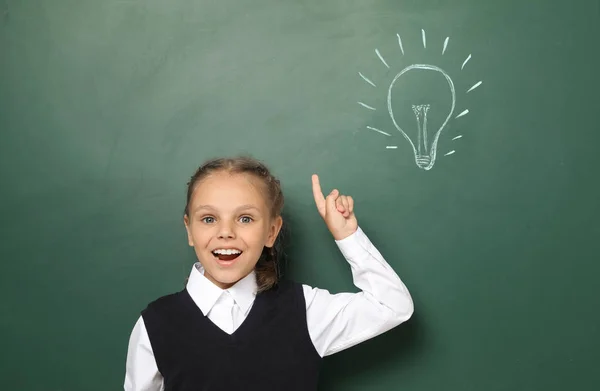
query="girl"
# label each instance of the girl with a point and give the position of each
(237, 325)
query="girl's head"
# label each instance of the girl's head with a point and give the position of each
(233, 218)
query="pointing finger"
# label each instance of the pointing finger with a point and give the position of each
(317, 192)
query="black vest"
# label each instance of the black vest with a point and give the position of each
(271, 349)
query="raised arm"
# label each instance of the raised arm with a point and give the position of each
(339, 321)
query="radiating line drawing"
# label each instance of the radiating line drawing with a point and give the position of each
(465, 62)
(423, 137)
(377, 130)
(367, 80)
(465, 112)
(381, 58)
(366, 105)
(445, 45)
(475, 86)
(400, 43)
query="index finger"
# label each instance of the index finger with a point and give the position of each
(317, 192)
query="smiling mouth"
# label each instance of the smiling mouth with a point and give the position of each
(226, 257)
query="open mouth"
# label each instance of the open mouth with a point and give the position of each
(226, 255)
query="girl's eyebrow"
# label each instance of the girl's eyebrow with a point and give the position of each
(239, 208)
(248, 206)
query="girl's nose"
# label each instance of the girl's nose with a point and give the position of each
(226, 232)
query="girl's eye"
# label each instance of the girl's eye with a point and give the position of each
(246, 219)
(208, 220)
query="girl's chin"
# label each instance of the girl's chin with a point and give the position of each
(226, 280)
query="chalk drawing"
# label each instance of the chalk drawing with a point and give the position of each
(475, 86)
(400, 43)
(425, 139)
(445, 45)
(366, 106)
(424, 152)
(367, 80)
(377, 130)
(465, 62)
(381, 58)
(465, 112)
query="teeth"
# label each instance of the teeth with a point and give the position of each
(227, 251)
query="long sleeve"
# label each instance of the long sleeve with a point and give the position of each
(339, 321)
(141, 371)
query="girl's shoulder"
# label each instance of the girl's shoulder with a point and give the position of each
(285, 293)
(166, 301)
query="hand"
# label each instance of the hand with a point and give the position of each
(337, 211)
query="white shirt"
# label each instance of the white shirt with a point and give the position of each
(335, 321)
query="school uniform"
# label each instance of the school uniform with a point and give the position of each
(207, 338)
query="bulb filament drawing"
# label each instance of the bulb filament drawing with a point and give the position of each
(421, 114)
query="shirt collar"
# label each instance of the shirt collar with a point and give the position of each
(205, 294)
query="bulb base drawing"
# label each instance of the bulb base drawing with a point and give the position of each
(424, 161)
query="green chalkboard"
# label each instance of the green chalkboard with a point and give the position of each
(489, 213)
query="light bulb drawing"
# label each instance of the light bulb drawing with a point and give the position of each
(418, 132)
(425, 151)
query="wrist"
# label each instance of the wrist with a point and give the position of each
(341, 235)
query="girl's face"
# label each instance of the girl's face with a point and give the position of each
(229, 224)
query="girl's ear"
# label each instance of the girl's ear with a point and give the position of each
(186, 222)
(274, 229)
